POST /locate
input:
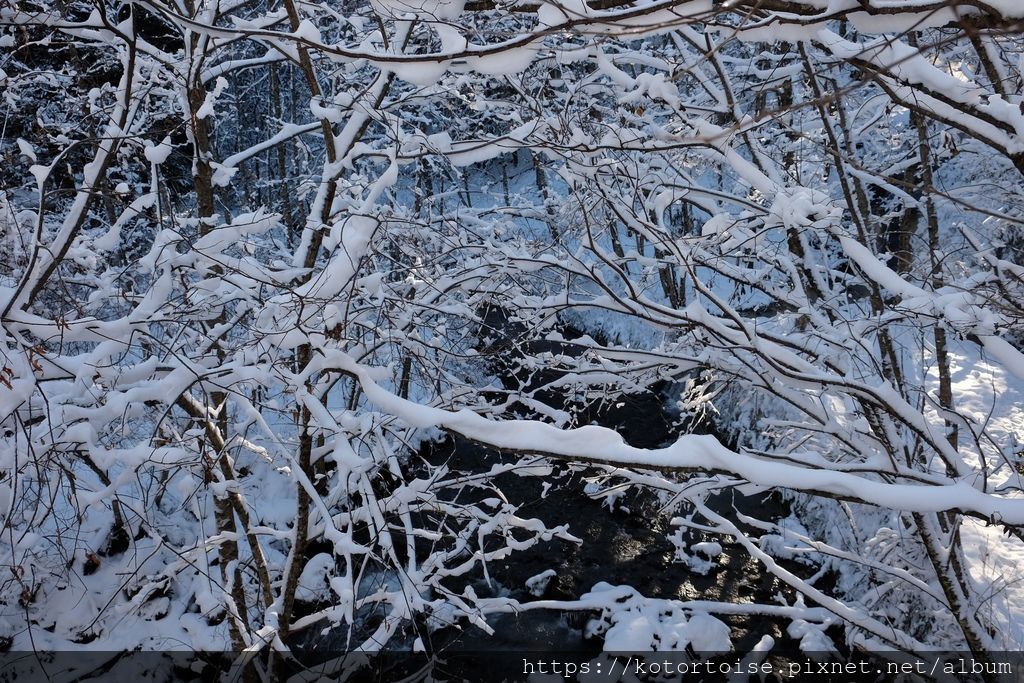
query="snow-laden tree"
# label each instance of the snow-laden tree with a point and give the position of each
(256, 254)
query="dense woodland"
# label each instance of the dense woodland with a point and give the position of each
(259, 258)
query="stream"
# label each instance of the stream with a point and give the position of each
(627, 543)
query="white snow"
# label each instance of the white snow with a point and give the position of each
(539, 583)
(158, 154)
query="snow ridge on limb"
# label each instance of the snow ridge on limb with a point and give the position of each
(690, 452)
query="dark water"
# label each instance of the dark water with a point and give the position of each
(627, 544)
